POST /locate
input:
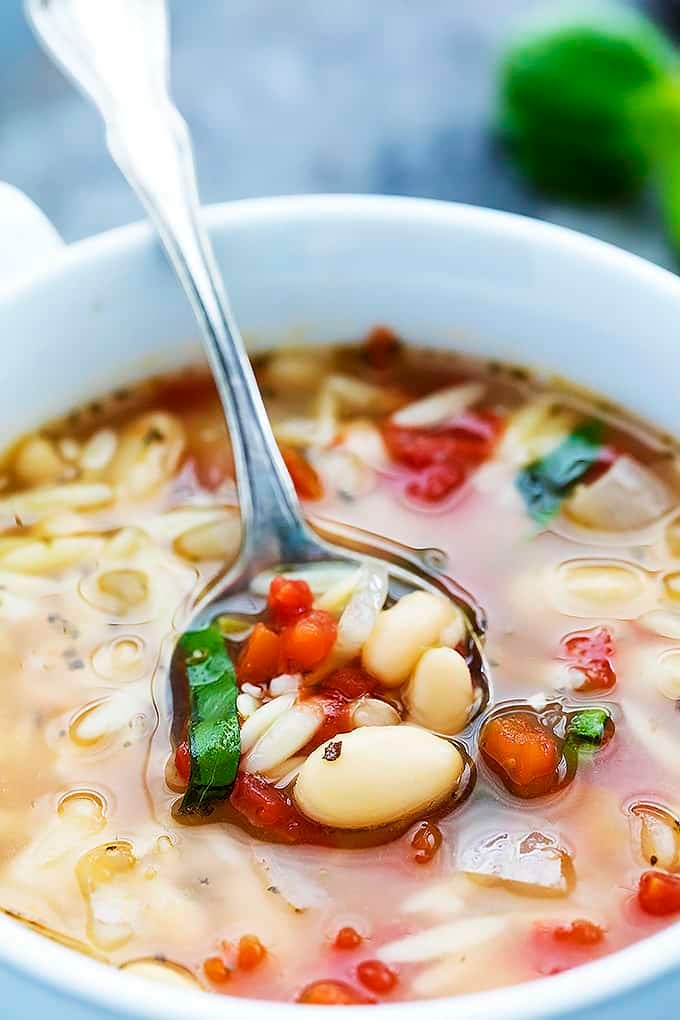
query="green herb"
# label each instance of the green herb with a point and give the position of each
(587, 728)
(568, 100)
(213, 730)
(545, 482)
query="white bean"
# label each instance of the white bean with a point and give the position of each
(381, 774)
(401, 635)
(374, 712)
(260, 721)
(440, 694)
(285, 737)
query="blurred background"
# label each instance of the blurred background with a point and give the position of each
(307, 96)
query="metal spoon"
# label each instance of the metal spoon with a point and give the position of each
(117, 52)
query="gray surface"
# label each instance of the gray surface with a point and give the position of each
(291, 96)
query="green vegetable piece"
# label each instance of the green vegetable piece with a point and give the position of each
(545, 482)
(213, 730)
(587, 728)
(567, 91)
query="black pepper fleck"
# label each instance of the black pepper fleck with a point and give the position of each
(333, 750)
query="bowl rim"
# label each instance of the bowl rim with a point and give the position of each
(86, 980)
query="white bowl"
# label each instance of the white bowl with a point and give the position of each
(76, 321)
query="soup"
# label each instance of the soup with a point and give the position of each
(381, 798)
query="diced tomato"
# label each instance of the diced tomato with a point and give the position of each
(443, 456)
(436, 483)
(352, 681)
(307, 642)
(523, 752)
(250, 953)
(467, 442)
(380, 346)
(259, 660)
(348, 938)
(590, 653)
(272, 811)
(332, 993)
(305, 479)
(659, 894)
(426, 842)
(215, 970)
(288, 598)
(553, 949)
(377, 976)
(183, 761)
(336, 719)
(579, 933)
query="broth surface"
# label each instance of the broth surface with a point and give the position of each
(112, 523)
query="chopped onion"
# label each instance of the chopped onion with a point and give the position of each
(441, 406)
(289, 873)
(365, 441)
(285, 683)
(626, 497)
(531, 864)
(656, 833)
(358, 618)
(335, 598)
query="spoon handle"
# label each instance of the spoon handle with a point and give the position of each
(117, 52)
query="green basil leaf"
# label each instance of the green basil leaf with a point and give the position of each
(213, 730)
(586, 728)
(545, 482)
